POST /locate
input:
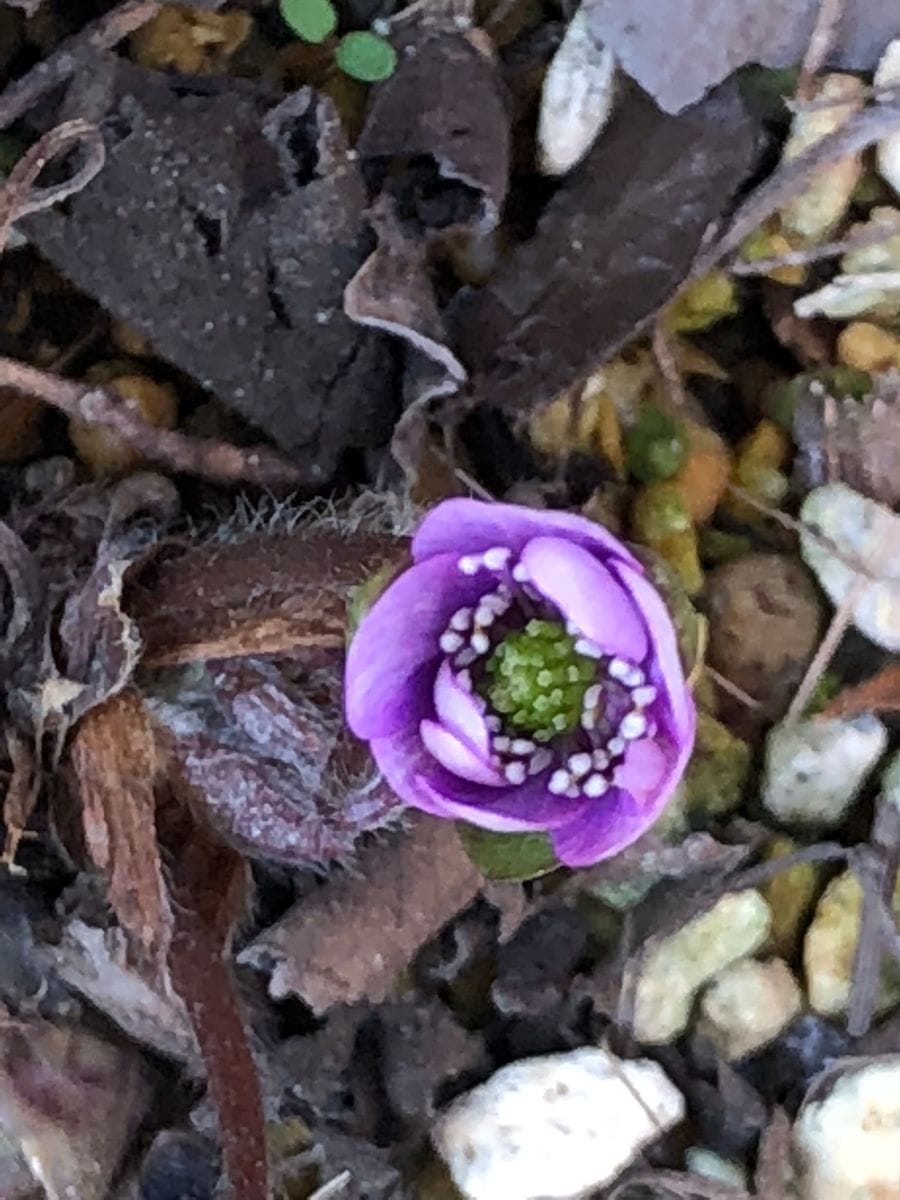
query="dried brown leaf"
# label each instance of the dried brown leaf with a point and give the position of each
(857, 442)
(351, 938)
(114, 758)
(71, 1101)
(613, 246)
(879, 693)
(677, 52)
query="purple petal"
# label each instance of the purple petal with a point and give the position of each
(387, 678)
(461, 712)
(461, 526)
(458, 757)
(643, 771)
(607, 827)
(422, 783)
(664, 642)
(585, 592)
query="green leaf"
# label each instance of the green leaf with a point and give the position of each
(508, 857)
(366, 56)
(312, 20)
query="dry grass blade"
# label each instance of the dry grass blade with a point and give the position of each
(773, 1163)
(114, 759)
(21, 793)
(820, 43)
(208, 884)
(19, 197)
(207, 457)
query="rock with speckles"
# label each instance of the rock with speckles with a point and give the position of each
(748, 1005)
(675, 971)
(556, 1127)
(815, 769)
(848, 1143)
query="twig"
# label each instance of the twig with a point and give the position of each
(19, 197)
(820, 43)
(74, 54)
(732, 688)
(813, 254)
(207, 457)
(842, 618)
(668, 365)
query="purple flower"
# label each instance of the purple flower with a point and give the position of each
(523, 675)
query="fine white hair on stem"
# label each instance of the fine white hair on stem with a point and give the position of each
(364, 512)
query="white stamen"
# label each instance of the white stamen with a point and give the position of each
(540, 761)
(601, 760)
(496, 558)
(464, 679)
(501, 744)
(618, 668)
(559, 781)
(633, 726)
(595, 786)
(522, 746)
(592, 695)
(461, 619)
(450, 642)
(515, 772)
(579, 764)
(484, 616)
(642, 696)
(480, 642)
(588, 648)
(634, 678)
(573, 792)
(615, 746)
(465, 658)
(572, 629)
(494, 603)
(470, 564)
(520, 574)
(588, 719)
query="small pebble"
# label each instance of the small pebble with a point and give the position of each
(556, 1127)
(848, 1143)
(815, 769)
(748, 1005)
(675, 971)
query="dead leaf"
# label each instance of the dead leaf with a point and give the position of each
(423, 111)
(268, 230)
(879, 693)
(852, 441)
(351, 938)
(114, 759)
(71, 1101)
(611, 249)
(679, 51)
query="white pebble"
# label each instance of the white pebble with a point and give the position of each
(559, 781)
(848, 1142)
(595, 786)
(450, 642)
(555, 1127)
(515, 772)
(579, 764)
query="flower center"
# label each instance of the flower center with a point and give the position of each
(536, 680)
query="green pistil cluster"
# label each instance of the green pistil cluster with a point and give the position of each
(536, 680)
